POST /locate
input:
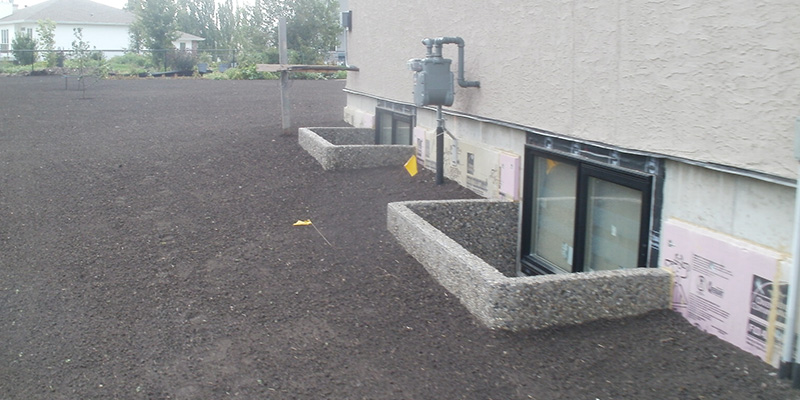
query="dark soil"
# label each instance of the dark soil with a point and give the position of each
(487, 229)
(147, 251)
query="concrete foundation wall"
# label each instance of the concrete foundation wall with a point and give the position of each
(750, 209)
(333, 157)
(360, 111)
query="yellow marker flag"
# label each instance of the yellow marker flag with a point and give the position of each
(411, 165)
(302, 223)
(550, 165)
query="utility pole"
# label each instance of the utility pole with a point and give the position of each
(286, 104)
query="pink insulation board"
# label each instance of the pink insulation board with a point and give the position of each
(725, 287)
(509, 176)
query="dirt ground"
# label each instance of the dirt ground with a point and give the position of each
(147, 252)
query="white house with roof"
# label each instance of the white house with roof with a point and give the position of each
(104, 27)
(634, 135)
(187, 42)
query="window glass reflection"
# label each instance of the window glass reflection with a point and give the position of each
(613, 223)
(554, 212)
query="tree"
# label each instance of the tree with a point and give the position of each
(80, 49)
(256, 36)
(226, 25)
(135, 31)
(312, 28)
(155, 26)
(24, 49)
(198, 17)
(45, 29)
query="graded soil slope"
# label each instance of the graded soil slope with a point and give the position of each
(147, 252)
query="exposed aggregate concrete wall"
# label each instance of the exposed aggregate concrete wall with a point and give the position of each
(530, 302)
(351, 148)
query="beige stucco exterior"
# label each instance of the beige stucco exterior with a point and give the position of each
(715, 82)
(709, 89)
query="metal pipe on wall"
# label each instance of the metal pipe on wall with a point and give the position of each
(788, 366)
(434, 47)
(434, 85)
(439, 146)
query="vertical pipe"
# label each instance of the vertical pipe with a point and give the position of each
(439, 146)
(787, 354)
(788, 367)
(286, 104)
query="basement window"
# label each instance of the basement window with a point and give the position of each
(581, 215)
(392, 127)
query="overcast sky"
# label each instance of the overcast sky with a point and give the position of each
(112, 3)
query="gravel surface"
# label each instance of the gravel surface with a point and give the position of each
(147, 252)
(487, 230)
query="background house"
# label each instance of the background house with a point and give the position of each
(633, 136)
(104, 27)
(187, 42)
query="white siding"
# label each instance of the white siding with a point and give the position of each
(101, 37)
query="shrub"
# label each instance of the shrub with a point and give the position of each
(217, 76)
(182, 60)
(24, 49)
(248, 72)
(268, 56)
(305, 76)
(319, 76)
(130, 63)
(45, 30)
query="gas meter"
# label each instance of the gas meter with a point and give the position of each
(433, 86)
(433, 81)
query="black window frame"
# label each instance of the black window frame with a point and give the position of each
(396, 116)
(531, 264)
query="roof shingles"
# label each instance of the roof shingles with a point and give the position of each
(71, 11)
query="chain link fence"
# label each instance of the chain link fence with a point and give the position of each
(118, 62)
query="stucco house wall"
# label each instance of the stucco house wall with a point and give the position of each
(712, 87)
(715, 82)
(709, 88)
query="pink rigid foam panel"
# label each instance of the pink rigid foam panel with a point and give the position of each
(419, 144)
(509, 176)
(726, 287)
(366, 121)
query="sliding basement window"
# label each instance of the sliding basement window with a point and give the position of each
(581, 216)
(393, 127)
